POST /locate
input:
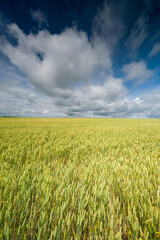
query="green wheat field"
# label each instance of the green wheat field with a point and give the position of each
(79, 179)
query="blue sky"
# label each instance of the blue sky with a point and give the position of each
(80, 58)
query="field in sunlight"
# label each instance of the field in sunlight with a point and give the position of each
(79, 179)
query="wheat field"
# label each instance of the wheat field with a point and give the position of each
(79, 179)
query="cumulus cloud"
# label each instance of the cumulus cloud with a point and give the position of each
(155, 50)
(17, 100)
(94, 97)
(73, 71)
(137, 72)
(56, 61)
(20, 98)
(39, 17)
(68, 74)
(146, 106)
(64, 67)
(138, 34)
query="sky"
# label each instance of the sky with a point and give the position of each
(80, 58)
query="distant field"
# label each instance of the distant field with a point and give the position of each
(79, 179)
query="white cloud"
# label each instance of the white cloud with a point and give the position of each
(108, 26)
(68, 74)
(137, 72)
(155, 50)
(56, 61)
(19, 98)
(138, 34)
(39, 17)
(68, 68)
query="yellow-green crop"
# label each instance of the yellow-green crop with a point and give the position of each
(79, 179)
